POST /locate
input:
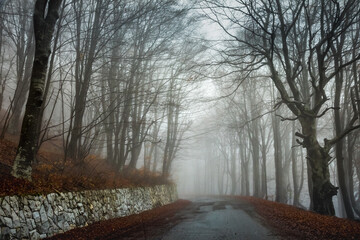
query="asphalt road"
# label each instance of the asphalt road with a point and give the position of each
(207, 219)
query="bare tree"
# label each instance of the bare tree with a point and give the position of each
(21, 42)
(45, 17)
(270, 34)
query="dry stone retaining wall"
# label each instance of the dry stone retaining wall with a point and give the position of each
(35, 217)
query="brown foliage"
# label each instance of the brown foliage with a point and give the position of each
(295, 223)
(51, 173)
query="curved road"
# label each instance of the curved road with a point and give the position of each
(207, 219)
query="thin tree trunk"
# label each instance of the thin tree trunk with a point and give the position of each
(294, 168)
(233, 169)
(350, 173)
(75, 144)
(339, 151)
(280, 194)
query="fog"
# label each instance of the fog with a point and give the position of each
(221, 97)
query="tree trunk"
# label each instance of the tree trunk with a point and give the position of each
(245, 188)
(296, 201)
(45, 17)
(264, 175)
(318, 159)
(154, 167)
(233, 171)
(350, 173)
(256, 159)
(50, 70)
(280, 194)
(339, 151)
(83, 82)
(264, 147)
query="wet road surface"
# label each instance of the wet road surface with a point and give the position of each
(207, 219)
(221, 219)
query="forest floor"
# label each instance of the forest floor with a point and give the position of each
(295, 223)
(52, 174)
(286, 222)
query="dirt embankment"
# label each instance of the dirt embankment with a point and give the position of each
(54, 174)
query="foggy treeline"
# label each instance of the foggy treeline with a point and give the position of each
(116, 83)
(287, 126)
(121, 75)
